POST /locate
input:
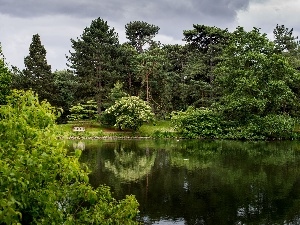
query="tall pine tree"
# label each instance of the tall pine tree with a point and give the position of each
(93, 61)
(205, 45)
(37, 72)
(140, 33)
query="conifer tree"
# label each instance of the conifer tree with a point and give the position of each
(93, 61)
(140, 33)
(37, 72)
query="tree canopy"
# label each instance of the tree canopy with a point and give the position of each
(242, 75)
(37, 72)
(93, 60)
(41, 183)
(140, 33)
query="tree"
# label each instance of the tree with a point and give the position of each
(287, 44)
(127, 63)
(150, 64)
(205, 46)
(37, 72)
(95, 53)
(128, 112)
(65, 85)
(116, 93)
(43, 183)
(255, 82)
(83, 111)
(19, 81)
(5, 80)
(176, 90)
(140, 33)
(284, 40)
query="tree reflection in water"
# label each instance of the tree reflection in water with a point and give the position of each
(130, 167)
(202, 182)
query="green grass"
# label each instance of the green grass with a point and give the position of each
(150, 129)
(91, 128)
(95, 129)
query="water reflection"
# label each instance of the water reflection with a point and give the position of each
(128, 166)
(201, 182)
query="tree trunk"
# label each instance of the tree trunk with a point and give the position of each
(147, 87)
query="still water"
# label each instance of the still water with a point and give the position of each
(201, 182)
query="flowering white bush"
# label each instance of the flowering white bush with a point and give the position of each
(128, 112)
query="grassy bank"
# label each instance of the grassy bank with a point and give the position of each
(161, 129)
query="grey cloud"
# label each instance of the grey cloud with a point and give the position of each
(76, 8)
(57, 20)
(120, 9)
(171, 16)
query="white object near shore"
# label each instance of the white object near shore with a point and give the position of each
(78, 129)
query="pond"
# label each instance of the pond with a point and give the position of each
(201, 182)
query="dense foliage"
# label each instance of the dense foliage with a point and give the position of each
(93, 61)
(197, 123)
(37, 72)
(83, 111)
(5, 81)
(40, 182)
(258, 95)
(242, 75)
(128, 112)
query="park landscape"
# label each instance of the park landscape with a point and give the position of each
(218, 86)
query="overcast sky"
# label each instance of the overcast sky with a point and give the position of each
(57, 21)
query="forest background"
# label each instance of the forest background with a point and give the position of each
(219, 84)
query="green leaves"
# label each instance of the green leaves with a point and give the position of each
(83, 111)
(40, 182)
(197, 123)
(128, 112)
(251, 72)
(37, 72)
(94, 61)
(140, 33)
(5, 81)
(256, 86)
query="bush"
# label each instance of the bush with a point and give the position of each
(83, 111)
(278, 126)
(42, 184)
(197, 123)
(262, 128)
(128, 113)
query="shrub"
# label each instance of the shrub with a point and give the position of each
(128, 113)
(261, 128)
(42, 184)
(197, 123)
(83, 111)
(278, 126)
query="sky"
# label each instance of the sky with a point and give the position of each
(57, 21)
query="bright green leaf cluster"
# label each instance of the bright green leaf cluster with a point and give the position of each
(40, 182)
(83, 111)
(128, 112)
(197, 123)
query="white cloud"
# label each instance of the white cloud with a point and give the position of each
(266, 14)
(55, 32)
(164, 39)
